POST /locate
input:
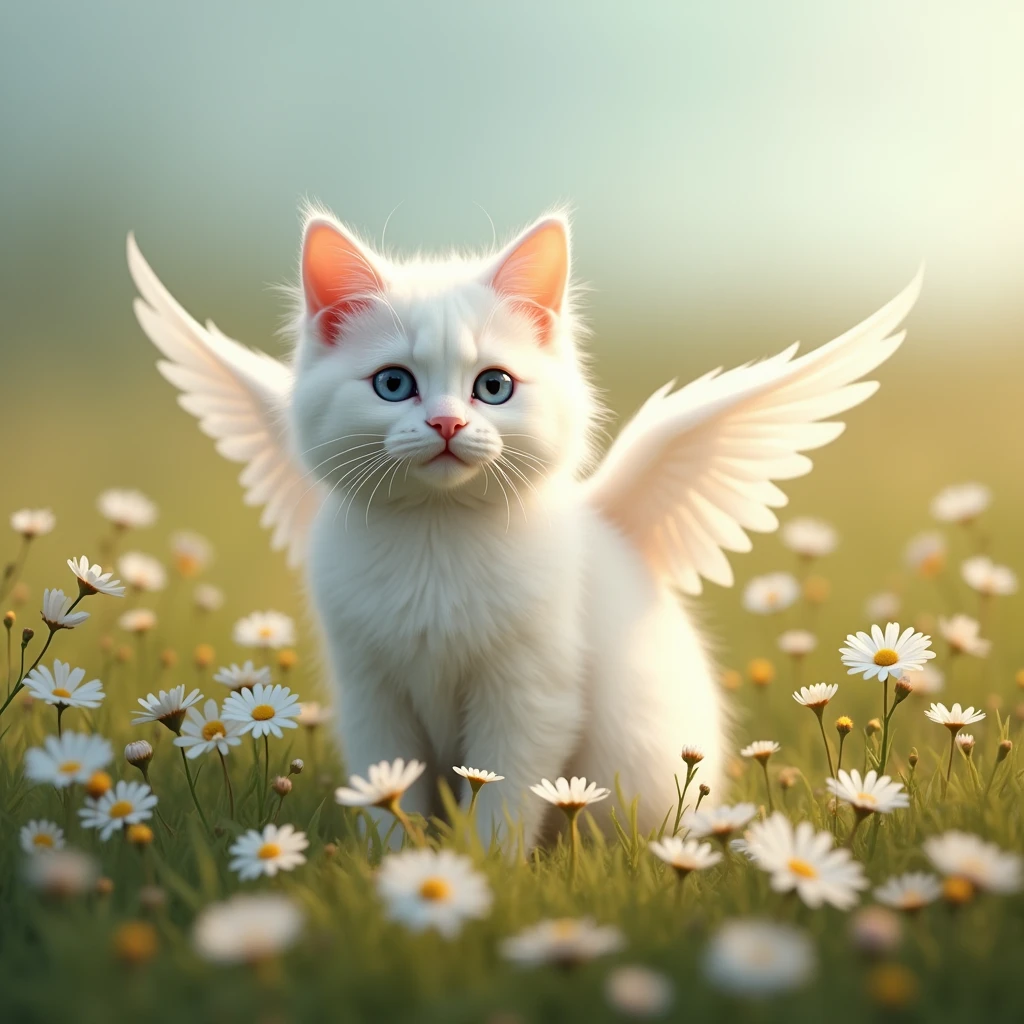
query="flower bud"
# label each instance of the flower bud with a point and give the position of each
(761, 671)
(282, 785)
(872, 727)
(844, 725)
(788, 778)
(203, 656)
(26, 636)
(330, 849)
(139, 753)
(1003, 750)
(9, 619)
(965, 741)
(692, 755)
(914, 757)
(135, 943)
(98, 784)
(140, 835)
(704, 789)
(287, 659)
(295, 768)
(902, 690)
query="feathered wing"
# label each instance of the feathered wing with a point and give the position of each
(239, 397)
(693, 471)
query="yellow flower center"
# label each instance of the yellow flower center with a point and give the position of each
(435, 890)
(564, 928)
(866, 798)
(957, 890)
(70, 767)
(886, 657)
(268, 851)
(265, 632)
(98, 784)
(121, 809)
(59, 691)
(931, 565)
(42, 839)
(214, 730)
(802, 868)
(187, 564)
(262, 712)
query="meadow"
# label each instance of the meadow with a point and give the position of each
(128, 930)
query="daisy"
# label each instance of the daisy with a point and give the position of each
(926, 554)
(691, 755)
(718, 822)
(910, 891)
(982, 574)
(167, 707)
(40, 836)
(563, 941)
(954, 718)
(139, 753)
(685, 855)
(267, 852)
(63, 686)
(870, 794)
(797, 643)
(965, 741)
(476, 777)
(570, 795)
(33, 522)
(891, 653)
(62, 873)
(191, 552)
(817, 696)
(984, 865)
(93, 580)
(247, 928)
(265, 629)
(759, 958)
(313, 715)
(925, 680)
(765, 595)
(885, 605)
(761, 750)
(64, 760)
(809, 538)
(239, 678)
(127, 803)
(961, 503)
(798, 858)
(639, 992)
(143, 572)
(203, 732)
(139, 621)
(264, 710)
(435, 889)
(57, 613)
(961, 632)
(207, 597)
(387, 782)
(126, 509)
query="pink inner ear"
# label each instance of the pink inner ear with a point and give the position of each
(337, 277)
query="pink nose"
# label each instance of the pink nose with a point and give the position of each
(446, 426)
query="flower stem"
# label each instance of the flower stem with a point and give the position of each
(227, 786)
(884, 752)
(21, 678)
(691, 770)
(768, 786)
(828, 749)
(61, 708)
(414, 834)
(857, 819)
(192, 790)
(574, 844)
(266, 771)
(949, 766)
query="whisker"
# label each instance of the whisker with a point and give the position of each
(515, 490)
(515, 469)
(362, 483)
(344, 437)
(369, 501)
(362, 460)
(326, 476)
(508, 507)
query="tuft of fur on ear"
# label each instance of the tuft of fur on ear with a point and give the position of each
(339, 276)
(533, 272)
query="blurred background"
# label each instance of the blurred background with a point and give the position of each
(742, 175)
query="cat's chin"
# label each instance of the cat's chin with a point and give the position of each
(446, 471)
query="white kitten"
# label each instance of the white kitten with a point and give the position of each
(482, 601)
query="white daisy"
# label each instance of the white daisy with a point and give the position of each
(64, 760)
(191, 552)
(569, 794)
(33, 522)
(207, 597)
(241, 677)
(247, 928)
(64, 686)
(982, 574)
(718, 822)
(910, 891)
(765, 595)
(274, 849)
(477, 777)
(761, 750)
(39, 836)
(143, 572)
(963, 855)
(810, 538)
(685, 855)
(804, 860)
(563, 941)
(961, 503)
(62, 873)
(926, 554)
(638, 992)
(817, 696)
(691, 754)
(167, 707)
(435, 889)
(313, 715)
(93, 580)
(127, 803)
(126, 509)
(885, 606)
(138, 621)
(891, 653)
(954, 718)
(797, 643)
(265, 629)
(962, 633)
(759, 958)
(925, 680)
(965, 741)
(57, 612)
(263, 710)
(203, 732)
(869, 794)
(386, 782)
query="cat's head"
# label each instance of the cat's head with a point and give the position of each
(446, 376)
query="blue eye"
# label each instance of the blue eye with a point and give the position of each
(494, 387)
(394, 384)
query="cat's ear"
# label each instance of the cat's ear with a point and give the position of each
(339, 277)
(533, 272)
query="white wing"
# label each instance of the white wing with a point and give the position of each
(693, 470)
(239, 397)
